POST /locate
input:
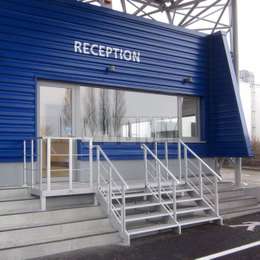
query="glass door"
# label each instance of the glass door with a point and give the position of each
(56, 121)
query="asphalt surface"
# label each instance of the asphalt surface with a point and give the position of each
(194, 242)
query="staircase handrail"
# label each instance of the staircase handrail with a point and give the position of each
(112, 166)
(202, 161)
(144, 146)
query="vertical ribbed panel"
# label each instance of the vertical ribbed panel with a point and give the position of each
(227, 131)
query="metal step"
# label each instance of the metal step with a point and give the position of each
(197, 220)
(150, 229)
(144, 194)
(145, 216)
(192, 210)
(190, 199)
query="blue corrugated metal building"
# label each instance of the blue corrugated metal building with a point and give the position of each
(67, 52)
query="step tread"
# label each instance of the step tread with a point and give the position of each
(190, 199)
(142, 194)
(149, 229)
(196, 220)
(192, 209)
(144, 216)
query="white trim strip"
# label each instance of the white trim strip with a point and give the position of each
(230, 251)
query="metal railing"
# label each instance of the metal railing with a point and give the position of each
(112, 187)
(199, 176)
(161, 182)
(38, 157)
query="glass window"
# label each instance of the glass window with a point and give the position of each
(127, 114)
(189, 111)
(55, 111)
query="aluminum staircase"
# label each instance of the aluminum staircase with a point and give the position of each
(168, 200)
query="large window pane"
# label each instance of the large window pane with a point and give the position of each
(189, 116)
(125, 114)
(55, 111)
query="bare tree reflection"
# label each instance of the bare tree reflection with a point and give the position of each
(104, 112)
(90, 113)
(118, 112)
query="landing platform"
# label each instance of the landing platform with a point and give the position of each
(62, 189)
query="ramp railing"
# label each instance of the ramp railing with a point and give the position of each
(161, 182)
(199, 176)
(112, 188)
(40, 155)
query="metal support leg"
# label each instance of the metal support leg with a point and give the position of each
(43, 202)
(238, 171)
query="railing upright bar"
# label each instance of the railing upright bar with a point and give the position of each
(98, 167)
(32, 163)
(48, 164)
(159, 183)
(24, 164)
(179, 158)
(70, 164)
(123, 214)
(216, 196)
(186, 163)
(40, 163)
(174, 208)
(110, 190)
(166, 156)
(200, 180)
(90, 155)
(146, 167)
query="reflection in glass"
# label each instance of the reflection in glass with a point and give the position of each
(189, 116)
(55, 111)
(108, 113)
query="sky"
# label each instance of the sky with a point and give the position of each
(249, 38)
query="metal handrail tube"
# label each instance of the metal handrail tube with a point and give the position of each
(202, 161)
(160, 163)
(112, 166)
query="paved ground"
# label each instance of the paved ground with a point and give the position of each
(194, 242)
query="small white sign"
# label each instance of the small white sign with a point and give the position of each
(106, 51)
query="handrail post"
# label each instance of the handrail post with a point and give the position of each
(90, 154)
(123, 209)
(48, 164)
(110, 190)
(40, 164)
(24, 164)
(200, 180)
(98, 167)
(159, 183)
(32, 162)
(146, 167)
(70, 163)
(186, 163)
(216, 196)
(166, 154)
(179, 157)
(174, 208)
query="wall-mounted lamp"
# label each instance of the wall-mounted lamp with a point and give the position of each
(111, 68)
(187, 80)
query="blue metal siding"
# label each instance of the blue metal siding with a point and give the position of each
(228, 135)
(37, 43)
